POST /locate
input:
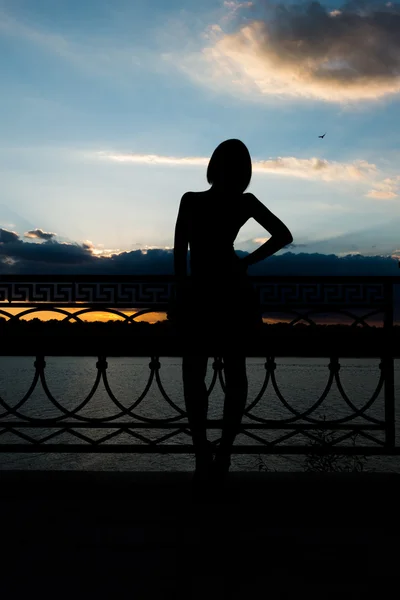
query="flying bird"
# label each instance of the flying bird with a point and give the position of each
(322, 136)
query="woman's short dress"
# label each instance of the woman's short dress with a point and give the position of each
(218, 316)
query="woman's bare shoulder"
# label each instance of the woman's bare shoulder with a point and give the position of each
(192, 196)
(191, 193)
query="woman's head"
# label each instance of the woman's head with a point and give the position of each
(230, 166)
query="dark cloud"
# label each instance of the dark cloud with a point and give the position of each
(51, 256)
(293, 245)
(39, 234)
(303, 263)
(55, 257)
(8, 237)
(354, 49)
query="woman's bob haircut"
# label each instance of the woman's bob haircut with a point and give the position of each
(230, 166)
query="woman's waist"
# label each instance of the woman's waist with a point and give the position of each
(221, 267)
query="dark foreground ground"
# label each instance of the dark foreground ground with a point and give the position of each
(144, 535)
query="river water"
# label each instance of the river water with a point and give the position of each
(300, 380)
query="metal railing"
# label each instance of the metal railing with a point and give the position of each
(295, 431)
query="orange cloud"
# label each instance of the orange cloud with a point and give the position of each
(316, 168)
(386, 189)
(39, 234)
(304, 50)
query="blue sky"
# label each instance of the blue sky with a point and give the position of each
(111, 108)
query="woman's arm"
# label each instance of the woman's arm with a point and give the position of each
(181, 240)
(280, 234)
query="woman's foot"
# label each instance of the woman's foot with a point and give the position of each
(204, 462)
(221, 465)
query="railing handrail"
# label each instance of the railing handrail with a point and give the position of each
(32, 278)
(142, 290)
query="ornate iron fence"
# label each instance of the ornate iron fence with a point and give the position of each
(126, 429)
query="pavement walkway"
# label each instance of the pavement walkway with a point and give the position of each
(146, 535)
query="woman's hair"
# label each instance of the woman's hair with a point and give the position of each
(230, 163)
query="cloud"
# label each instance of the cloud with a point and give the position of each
(381, 238)
(231, 4)
(39, 234)
(17, 256)
(303, 263)
(385, 190)
(234, 7)
(88, 245)
(211, 33)
(47, 253)
(8, 237)
(305, 168)
(381, 195)
(153, 159)
(46, 256)
(51, 256)
(261, 240)
(293, 245)
(304, 50)
(316, 168)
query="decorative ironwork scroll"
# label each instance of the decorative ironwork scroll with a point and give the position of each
(124, 427)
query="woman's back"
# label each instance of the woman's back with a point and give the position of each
(214, 220)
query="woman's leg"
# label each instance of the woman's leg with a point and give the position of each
(234, 404)
(194, 370)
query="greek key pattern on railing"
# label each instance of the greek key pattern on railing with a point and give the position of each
(23, 428)
(330, 294)
(137, 293)
(158, 292)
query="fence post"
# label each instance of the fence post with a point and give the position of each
(388, 367)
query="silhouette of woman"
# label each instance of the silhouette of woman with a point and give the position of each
(216, 305)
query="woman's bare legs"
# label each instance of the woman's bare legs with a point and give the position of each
(234, 405)
(194, 370)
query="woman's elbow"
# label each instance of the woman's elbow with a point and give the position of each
(286, 237)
